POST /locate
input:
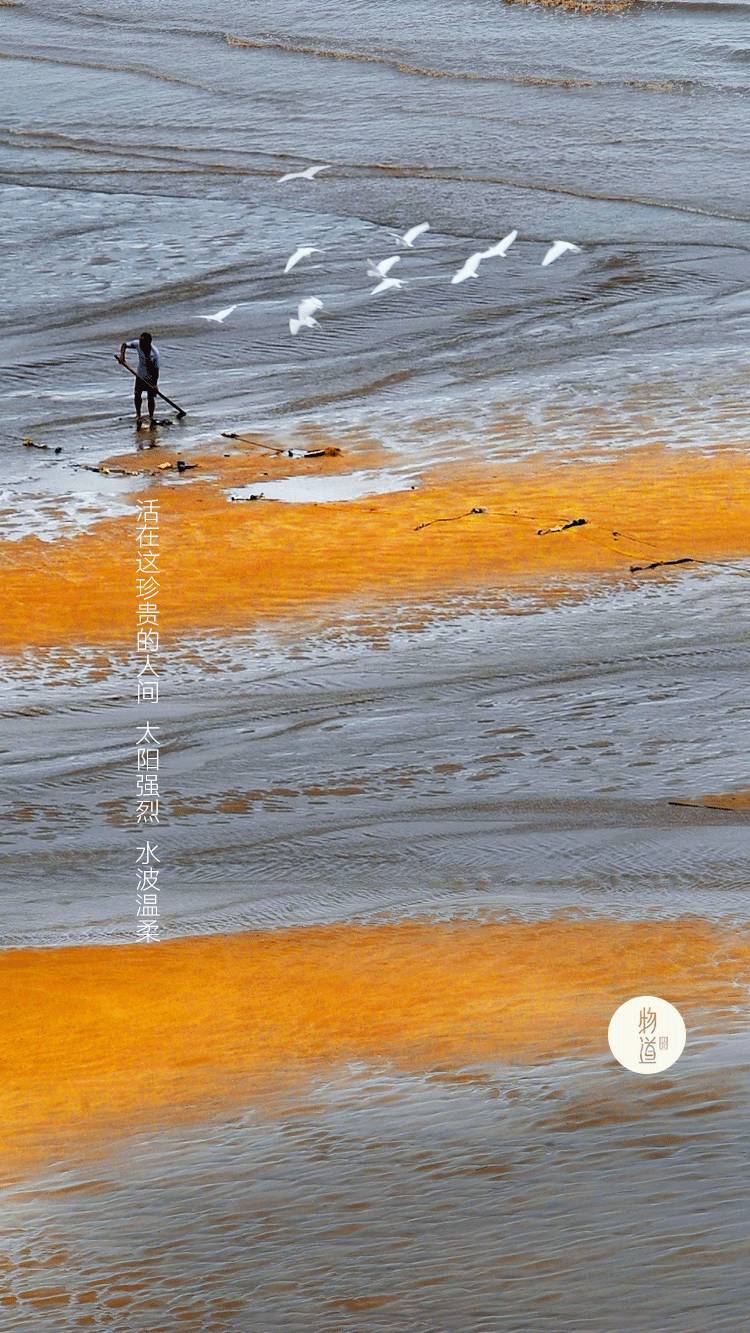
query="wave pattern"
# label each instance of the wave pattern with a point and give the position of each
(509, 789)
(291, 48)
(620, 153)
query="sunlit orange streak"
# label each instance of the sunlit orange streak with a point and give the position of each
(228, 566)
(106, 1038)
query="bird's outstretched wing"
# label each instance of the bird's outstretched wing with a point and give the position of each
(302, 252)
(387, 285)
(411, 235)
(386, 265)
(305, 175)
(220, 315)
(467, 270)
(502, 247)
(309, 306)
(383, 266)
(559, 248)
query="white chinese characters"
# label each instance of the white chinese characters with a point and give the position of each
(148, 745)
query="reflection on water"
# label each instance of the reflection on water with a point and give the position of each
(325, 490)
(567, 1196)
(230, 1018)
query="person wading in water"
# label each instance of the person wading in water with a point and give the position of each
(147, 376)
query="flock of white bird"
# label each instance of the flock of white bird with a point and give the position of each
(381, 271)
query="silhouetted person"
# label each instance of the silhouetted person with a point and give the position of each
(147, 377)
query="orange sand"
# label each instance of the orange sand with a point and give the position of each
(227, 566)
(104, 1039)
(734, 801)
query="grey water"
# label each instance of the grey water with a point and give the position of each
(140, 152)
(519, 764)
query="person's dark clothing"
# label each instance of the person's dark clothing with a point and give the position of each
(141, 387)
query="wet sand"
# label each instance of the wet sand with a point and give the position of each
(106, 1041)
(382, 1103)
(233, 565)
(243, 1014)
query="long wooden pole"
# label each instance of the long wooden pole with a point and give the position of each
(179, 410)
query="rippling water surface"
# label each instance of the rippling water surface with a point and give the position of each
(140, 153)
(503, 1200)
(518, 763)
(450, 763)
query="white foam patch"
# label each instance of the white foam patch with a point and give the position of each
(32, 513)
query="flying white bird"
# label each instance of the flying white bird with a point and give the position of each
(502, 246)
(469, 268)
(306, 175)
(383, 267)
(387, 285)
(559, 248)
(410, 236)
(305, 311)
(221, 315)
(302, 252)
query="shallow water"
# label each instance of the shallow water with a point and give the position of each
(536, 1199)
(141, 164)
(473, 761)
(325, 490)
(457, 764)
(489, 759)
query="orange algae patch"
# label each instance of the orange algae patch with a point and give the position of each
(101, 1039)
(228, 566)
